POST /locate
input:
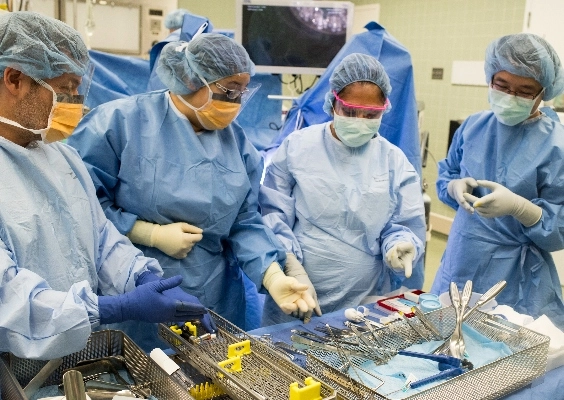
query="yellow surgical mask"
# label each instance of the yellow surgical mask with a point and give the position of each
(215, 114)
(64, 120)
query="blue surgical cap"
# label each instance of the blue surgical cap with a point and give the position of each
(40, 47)
(210, 56)
(174, 19)
(526, 55)
(356, 67)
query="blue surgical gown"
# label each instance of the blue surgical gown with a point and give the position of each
(528, 159)
(57, 252)
(339, 210)
(147, 163)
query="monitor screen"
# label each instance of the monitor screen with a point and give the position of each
(293, 37)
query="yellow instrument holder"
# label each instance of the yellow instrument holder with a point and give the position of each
(236, 349)
(232, 364)
(206, 391)
(311, 391)
(191, 328)
(176, 329)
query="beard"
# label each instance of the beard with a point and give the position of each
(32, 113)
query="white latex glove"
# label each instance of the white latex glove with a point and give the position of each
(458, 187)
(502, 201)
(175, 240)
(287, 292)
(400, 257)
(295, 269)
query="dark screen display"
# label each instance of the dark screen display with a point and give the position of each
(287, 36)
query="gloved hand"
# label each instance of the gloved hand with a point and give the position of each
(178, 294)
(456, 189)
(294, 269)
(175, 240)
(502, 201)
(400, 257)
(148, 303)
(287, 292)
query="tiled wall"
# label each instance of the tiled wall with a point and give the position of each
(436, 32)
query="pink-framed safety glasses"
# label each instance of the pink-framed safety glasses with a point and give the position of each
(345, 109)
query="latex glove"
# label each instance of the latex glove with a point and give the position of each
(148, 303)
(179, 294)
(175, 240)
(400, 257)
(456, 189)
(286, 291)
(294, 269)
(502, 201)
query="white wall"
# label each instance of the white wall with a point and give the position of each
(123, 28)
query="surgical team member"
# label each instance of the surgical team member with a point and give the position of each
(64, 267)
(173, 21)
(504, 174)
(181, 180)
(345, 203)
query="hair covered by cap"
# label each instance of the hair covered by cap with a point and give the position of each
(527, 55)
(210, 56)
(174, 19)
(40, 47)
(356, 67)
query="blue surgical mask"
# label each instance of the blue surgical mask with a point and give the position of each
(510, 110)
(355, 132)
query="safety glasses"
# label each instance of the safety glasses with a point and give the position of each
(232, 94)
(345, 109)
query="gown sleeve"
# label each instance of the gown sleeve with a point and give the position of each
(39, 322)
(449, 168)
(253, 243)
(99, 145)
(407, 223)
(278, 206)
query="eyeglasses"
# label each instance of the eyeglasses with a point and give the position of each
(232, 94)
(70, 98)
(523, 95)
(353, 110)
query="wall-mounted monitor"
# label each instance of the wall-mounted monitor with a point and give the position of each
(293, 37)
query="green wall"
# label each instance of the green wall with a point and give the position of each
(436, 32)
(221, 13)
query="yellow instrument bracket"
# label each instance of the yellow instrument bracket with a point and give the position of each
(236, 349)
(232, 364)
(311, 391)
(191, 328)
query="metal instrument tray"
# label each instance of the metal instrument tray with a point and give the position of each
(16, 372)
(265, 373)
(490, 381)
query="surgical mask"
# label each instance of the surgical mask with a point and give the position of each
(510, 110)
(215, 114)
(63, 118)
(354, 132)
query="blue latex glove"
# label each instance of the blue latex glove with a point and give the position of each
(179, 294)
(148, 303)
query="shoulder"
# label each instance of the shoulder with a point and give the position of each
(551, 129)
(479, 118)
(248, 152)
(73, 159)
(311, 134)
(396, 156)
(136, 104)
